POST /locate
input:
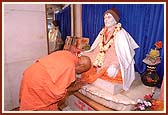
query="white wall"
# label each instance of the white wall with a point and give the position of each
(25, 40)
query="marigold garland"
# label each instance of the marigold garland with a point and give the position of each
(104, 47)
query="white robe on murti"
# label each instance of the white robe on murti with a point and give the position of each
(124, 45)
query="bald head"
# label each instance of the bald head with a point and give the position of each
(85, 60)
(83, 65)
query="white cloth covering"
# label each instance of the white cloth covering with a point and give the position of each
(122, 101)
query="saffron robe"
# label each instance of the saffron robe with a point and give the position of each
(45, 82)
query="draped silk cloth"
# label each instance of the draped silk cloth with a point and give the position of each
(124, 47)
(44, 83)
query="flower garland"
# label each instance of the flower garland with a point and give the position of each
(104, 47)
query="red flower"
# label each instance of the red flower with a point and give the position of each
(148, 97)
(158, 44)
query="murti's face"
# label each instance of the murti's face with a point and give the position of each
(109, 20)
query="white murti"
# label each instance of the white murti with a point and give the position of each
(124, 46)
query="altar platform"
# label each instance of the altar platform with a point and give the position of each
(91, 98)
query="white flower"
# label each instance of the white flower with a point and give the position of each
(139, 100)
(142, 107)
(147, 103)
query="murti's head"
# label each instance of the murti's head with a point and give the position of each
(111, 17)
(83, 65)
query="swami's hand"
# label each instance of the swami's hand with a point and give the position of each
(76, 86)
